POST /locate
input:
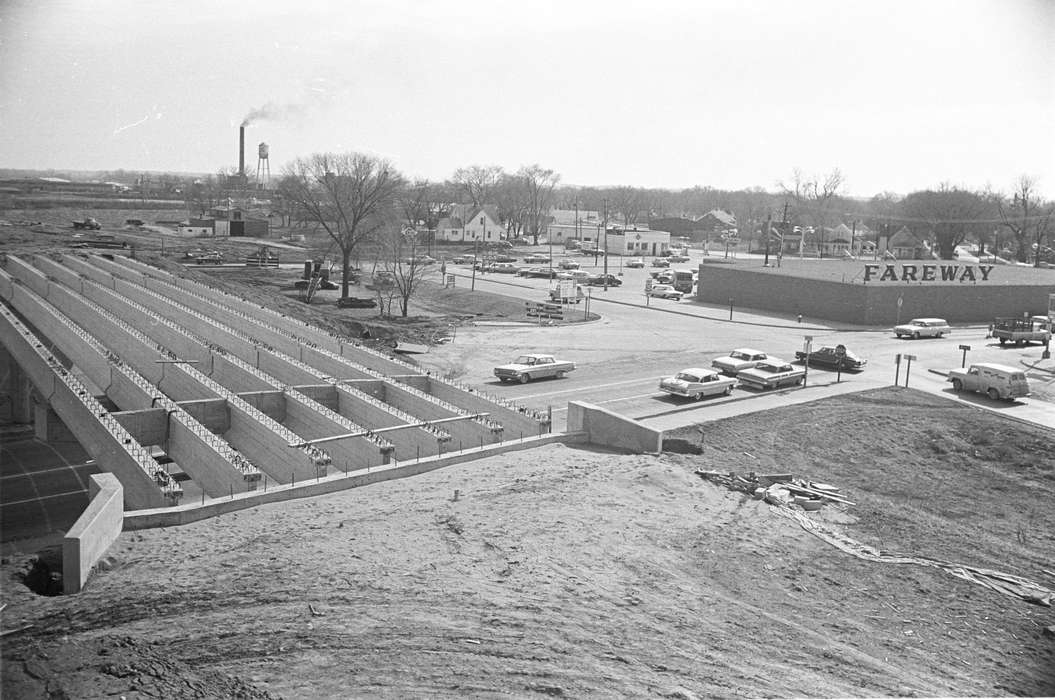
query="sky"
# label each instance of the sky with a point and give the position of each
(899, 95)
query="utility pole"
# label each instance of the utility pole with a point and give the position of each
(783, 232)
(766, 234)
(606, 244)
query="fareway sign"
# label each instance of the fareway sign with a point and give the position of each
(928, 273)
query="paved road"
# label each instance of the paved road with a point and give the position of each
(621, 358)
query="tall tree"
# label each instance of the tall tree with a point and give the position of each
(627, 202)
(538, 183)
(478, 182)
(816, 200)
(351, 196)
(511, 195)
(1028, 218)
(950, 212)
(399, 256)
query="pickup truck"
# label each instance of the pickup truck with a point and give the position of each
(1020, 331)
(527, 367)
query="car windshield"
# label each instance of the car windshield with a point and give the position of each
(524, 360)
(686, 377)
(770, 367)
(737, 355)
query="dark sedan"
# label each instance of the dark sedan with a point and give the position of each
(600, 281)
(829, 356)
(537, 272)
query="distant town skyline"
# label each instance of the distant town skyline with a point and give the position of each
(899, 96)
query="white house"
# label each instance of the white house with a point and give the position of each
(564, 226)
(480, 224)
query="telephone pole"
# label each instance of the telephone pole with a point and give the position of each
(767, 234)
(606, 244)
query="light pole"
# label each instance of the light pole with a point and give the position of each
(605, 250)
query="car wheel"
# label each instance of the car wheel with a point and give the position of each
(562, 374)
(503, 379)
(916, 335)
(1003, 340)
(525, 378)
(898, 335)
(940, 334)
(729, 390)
(799, 381)
(957, 385)
(993, 394)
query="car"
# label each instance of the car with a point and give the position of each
(569, 265)
(463, 259)
(635, 262)
(998, 382)
(537, 259)
(356, 303)
(533, 366)
(738, 360)
(660, 262)
(503, 258)
(543, 272)
(677, 258)
(506, 268)
(579, 276)
(592, 251)
(833, 357)
(602, 280)
(772, 373)
(664, 291)
(663, 276)
(923, 328)
(696, 382)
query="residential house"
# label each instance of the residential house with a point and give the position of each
(905, 245)
(479, 224)
(712, 225)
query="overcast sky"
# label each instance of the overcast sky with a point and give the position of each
(900, 95)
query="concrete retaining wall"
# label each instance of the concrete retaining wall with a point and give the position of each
(148, 426)
(609, 429)
(90, 537)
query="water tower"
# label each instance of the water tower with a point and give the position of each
(263, 166)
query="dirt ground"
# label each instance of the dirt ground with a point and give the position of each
(564, 571)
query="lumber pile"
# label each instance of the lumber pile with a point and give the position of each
(778, 489)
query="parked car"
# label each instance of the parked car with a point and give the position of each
(678, 258)
(996, 381)
(463, 259)
(543, 272)
(635, 262)
(592, 251)
(696, 382)
(600, 280)
(772, 373)
(579, 276)
(356, 303)
(506, 268)
(537, 259)
(503, 258)
(923, 328)
(833, 357)
(738, 360)
(664, 291)
(527, 367)
(569, 265)
(660, 262)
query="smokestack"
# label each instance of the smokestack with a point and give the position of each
(241, 151)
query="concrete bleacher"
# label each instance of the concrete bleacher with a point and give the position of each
(234, 391)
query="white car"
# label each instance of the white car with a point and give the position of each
(923, 328)
(738, 360)
(635, 262)
(772, 373)
(664, 291)
(696, 382)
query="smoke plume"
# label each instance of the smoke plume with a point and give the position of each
(275, 112)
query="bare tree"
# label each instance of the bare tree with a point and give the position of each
(627, 202)
(478, 182)
(351, 196)
(512, 198)
(1027, 217)
(405, 269)
(815, 198)
(538, 183)
(951, 213)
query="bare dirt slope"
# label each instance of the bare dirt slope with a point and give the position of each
(563, 571)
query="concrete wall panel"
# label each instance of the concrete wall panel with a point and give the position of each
(609, 429)
(95, 531)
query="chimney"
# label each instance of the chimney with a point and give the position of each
(241, 151)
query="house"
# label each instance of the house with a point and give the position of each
(905, 245)
(196, 227)
(562, 225)
(479, 224)
(712, 225)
